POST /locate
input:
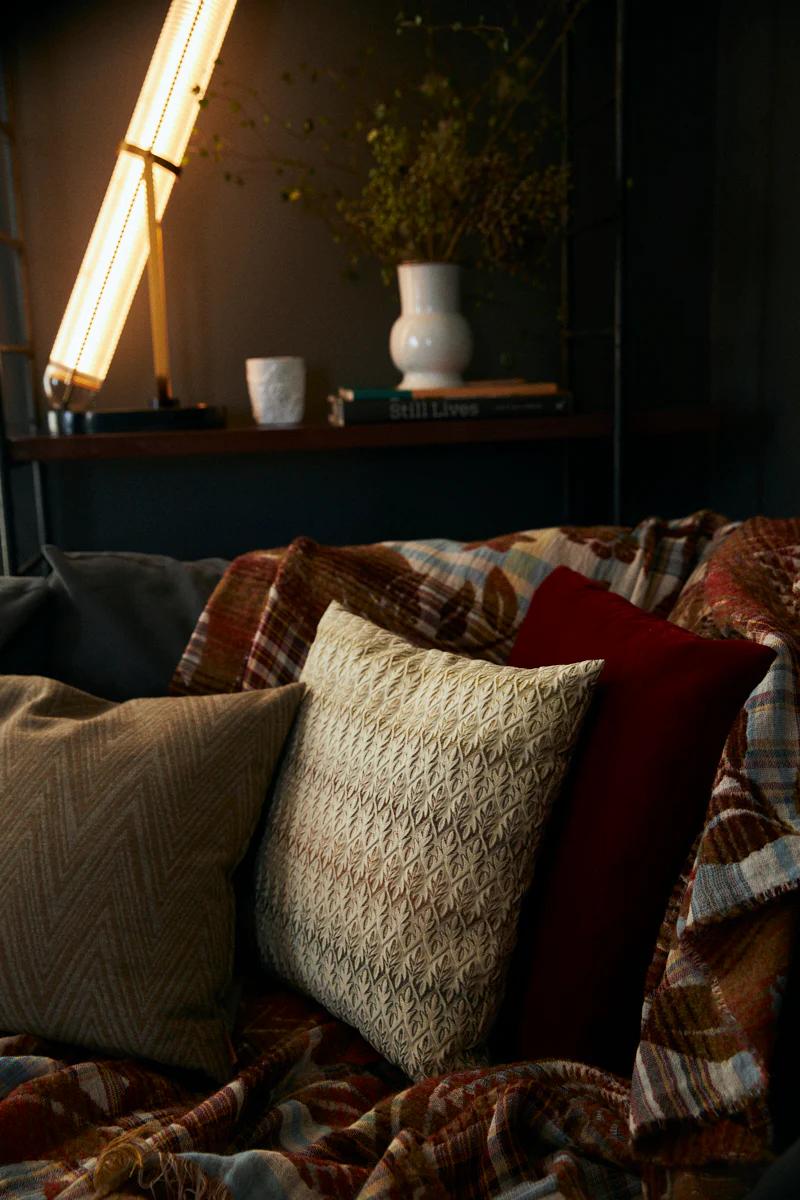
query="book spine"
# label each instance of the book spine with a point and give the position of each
(464, 392)
(367, 412)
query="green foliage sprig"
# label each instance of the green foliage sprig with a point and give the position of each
(454, 165)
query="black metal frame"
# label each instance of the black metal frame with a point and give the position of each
(15, 239)
(615, 331)
(10, 563)
(620, 182)
(8, 539)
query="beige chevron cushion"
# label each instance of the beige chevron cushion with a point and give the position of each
(121, 825)
(407, 814)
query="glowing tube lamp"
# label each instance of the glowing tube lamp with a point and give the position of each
(127, 233)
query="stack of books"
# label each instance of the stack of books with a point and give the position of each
(483, 400)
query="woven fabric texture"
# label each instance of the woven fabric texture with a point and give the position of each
(121, 826)
(701, 1083)
(313, 1109)
(469, 597)
(729, 568)
(218, 648)
(408, 809)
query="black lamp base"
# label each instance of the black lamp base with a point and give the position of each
(65, 422)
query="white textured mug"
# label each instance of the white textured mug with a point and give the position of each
(277, 389)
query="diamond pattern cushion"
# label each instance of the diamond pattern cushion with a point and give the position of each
(407, 812)
(121, 826)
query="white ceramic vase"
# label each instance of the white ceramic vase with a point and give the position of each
(431, 341)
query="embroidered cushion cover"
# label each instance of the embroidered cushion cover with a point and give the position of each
(634, 801)
(121, 826)
(402, 835)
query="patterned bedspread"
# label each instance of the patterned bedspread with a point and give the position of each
(313, 1110)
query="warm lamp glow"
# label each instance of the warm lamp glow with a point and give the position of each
(118, 249)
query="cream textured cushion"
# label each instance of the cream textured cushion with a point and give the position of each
(406, 818)
(121, 826)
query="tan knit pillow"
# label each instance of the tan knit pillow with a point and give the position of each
(406, 818)
(121, 826)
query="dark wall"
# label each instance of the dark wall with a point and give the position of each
(671, 66)
(662, 208)
(671, 169)
(710, 208)
(715, 247)
(230, 506)
(249, 275)
(755, 356)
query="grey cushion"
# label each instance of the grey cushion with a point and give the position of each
(119, 622)
(23, 644)
(781, 1181)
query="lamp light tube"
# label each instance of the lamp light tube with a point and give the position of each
(162, 122)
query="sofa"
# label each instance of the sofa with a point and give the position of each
(639, 1036)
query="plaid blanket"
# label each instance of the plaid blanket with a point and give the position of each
(467, 597)
(313, 1110)
(715, 987)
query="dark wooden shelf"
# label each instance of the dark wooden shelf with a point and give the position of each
(285, 439)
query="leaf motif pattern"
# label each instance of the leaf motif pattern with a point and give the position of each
(499, 602)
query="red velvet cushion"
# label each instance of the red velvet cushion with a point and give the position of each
(625, 820)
